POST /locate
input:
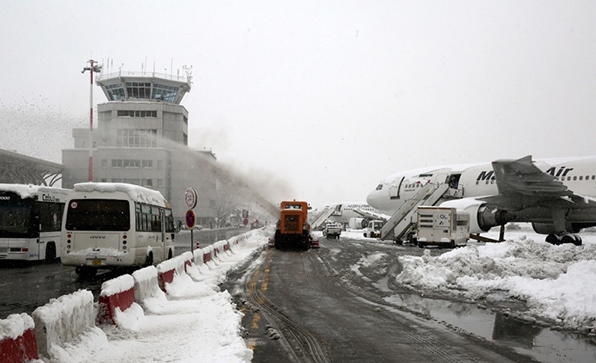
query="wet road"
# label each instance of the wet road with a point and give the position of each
(24, 287)
(326, 307)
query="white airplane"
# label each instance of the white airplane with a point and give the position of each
(557, 196)
(341, 213)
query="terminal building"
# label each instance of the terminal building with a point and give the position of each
(142, 138)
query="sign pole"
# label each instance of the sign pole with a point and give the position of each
(190, 198)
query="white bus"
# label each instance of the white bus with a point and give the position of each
(30, 221)
(108, 225)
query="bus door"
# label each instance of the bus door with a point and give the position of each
(162, 217)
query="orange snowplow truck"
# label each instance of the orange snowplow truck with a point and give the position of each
(293, 230)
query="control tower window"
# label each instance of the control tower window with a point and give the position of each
(115, 92)
(165, 93)
(138, 90)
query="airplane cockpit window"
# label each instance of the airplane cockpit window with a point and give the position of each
(380, 187)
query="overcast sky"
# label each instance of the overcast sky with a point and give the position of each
(329, 96)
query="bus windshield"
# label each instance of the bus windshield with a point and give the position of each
(98, 215)
(14, 217)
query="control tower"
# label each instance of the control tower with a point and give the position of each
(145, 86)
(142, 138)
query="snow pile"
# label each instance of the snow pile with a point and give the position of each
(101, 251)
(196, 322)
(117, 285)
(15, 325)
(555, 281)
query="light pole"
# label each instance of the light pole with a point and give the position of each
(93, 68)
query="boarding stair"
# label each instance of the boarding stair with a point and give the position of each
(401, 222)
(327, 212)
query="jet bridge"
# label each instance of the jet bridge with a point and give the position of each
(401, 222)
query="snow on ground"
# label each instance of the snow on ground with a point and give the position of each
(200, 324)
(556, 282)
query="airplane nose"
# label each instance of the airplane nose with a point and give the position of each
(372, 199)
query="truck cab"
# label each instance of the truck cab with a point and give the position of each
(373, 230)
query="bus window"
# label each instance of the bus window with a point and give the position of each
(155, 220)
(98, 215)
(14, 219)
(50, 216)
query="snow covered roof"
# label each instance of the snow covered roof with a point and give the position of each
(135, 192)
(28, 190)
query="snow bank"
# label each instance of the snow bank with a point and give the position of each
(556, 281)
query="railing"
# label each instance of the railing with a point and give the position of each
(178, 77)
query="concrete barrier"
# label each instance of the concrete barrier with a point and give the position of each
(17, 339)
(188, 260)
(165, 273)
(62, 320)
(207, 251)
(146, 285)
(115, 293)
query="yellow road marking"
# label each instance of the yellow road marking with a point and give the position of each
(256, 319)
(251, 343)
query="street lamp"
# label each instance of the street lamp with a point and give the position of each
(93, 68)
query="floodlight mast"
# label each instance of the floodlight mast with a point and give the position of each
(93, 68)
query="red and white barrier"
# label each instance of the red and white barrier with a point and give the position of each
(17, 339)
(116, 294)
(146, 285)
(165, 273)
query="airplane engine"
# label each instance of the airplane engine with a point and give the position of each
(549, 228)
(358, 223)
(482, 217)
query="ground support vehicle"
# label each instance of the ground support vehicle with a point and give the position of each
(110, 225)
(442, 227)
(30, 222)
(292, 230)
(374, 229)
(332, 230)
(314, 243)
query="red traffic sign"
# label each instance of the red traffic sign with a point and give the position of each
(191, 219)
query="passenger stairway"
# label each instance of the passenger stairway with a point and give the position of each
(327, 212)
(400, 223)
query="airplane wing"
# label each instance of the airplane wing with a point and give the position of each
(372, 215)
(521, 185)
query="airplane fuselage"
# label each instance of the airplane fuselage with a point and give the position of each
(479, 180)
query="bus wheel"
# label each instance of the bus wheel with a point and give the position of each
(50, 252)
(149, 259)
(170, 254)
(85, 272)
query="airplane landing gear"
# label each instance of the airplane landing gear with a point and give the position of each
(559, 238)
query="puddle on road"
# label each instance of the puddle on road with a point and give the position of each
(544, 344)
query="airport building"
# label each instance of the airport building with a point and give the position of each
(142, 138)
